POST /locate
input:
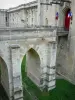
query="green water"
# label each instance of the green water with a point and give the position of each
(63, 91)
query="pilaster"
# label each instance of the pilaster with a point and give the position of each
(16, 73)
(51, 70)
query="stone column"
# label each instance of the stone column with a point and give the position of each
(51, 63)
(16, 73)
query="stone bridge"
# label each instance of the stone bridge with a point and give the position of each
(39, 46)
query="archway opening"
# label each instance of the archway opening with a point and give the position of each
(31, 72)
(31, 66)
(64, 20)
(4, 80)
(67, 19)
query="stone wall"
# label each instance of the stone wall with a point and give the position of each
(64, 58)
(2, 18)
(31, 15)
(66, 52)
(23, 17)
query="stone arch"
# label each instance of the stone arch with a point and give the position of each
(4, 77)
(35, 49)
(32, 65)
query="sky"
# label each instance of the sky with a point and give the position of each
(5, 4)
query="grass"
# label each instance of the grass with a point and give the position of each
(63, 91)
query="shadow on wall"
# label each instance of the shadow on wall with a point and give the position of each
(64, 59)
(62, 50)
(4, 79)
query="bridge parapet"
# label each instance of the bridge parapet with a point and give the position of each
(8, 33)
(60, 30)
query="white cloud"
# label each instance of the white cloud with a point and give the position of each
(5, 4)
